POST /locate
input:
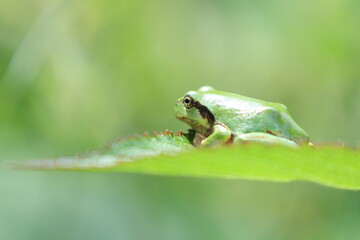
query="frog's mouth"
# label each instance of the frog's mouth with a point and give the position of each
(181, 118)
(185, 120)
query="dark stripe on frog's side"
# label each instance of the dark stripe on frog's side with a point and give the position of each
(204, 112)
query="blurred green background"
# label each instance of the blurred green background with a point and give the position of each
(76, 74)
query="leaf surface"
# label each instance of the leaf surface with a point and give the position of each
(175, 156)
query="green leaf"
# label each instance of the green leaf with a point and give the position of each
(328, 166)
(175, 156)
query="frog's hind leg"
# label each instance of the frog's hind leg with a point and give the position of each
(264, 138)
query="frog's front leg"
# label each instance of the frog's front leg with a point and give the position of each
(220, 135)
(264, 138)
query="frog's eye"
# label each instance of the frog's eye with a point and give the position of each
(188, 102)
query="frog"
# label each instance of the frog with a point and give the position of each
(223, 118)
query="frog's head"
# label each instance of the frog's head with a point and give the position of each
(190, 110)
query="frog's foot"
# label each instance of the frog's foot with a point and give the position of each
(264, 138)
(221, 135)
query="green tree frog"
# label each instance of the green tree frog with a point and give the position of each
(224, 118)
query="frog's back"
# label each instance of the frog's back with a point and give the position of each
(243, 115)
